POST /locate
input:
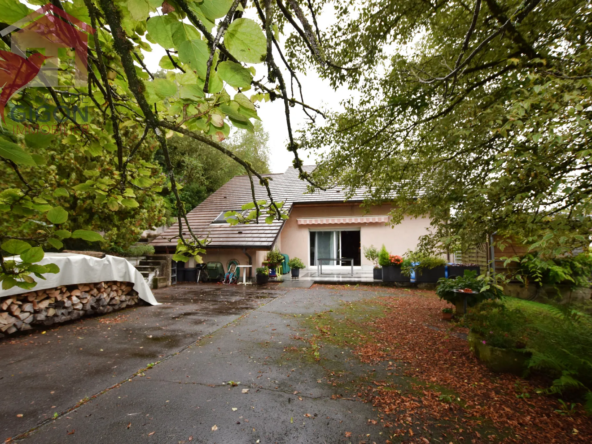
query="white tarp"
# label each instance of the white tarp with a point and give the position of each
(82, 269)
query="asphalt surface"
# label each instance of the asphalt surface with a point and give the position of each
(221, 374)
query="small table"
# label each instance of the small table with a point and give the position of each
(339, 259)
(465, 293)
(244, 282)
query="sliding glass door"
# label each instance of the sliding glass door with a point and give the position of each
(334, 245)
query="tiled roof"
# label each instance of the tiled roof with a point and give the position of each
(237, 192)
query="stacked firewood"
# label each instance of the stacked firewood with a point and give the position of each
(64, 303)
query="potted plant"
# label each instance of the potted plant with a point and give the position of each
(427, 268)
(273, 260)
(262, 275)
(456, 270)
(392, 267)
(498, 337)
(296, 265)
(371, 253)
(468, 287)
(447, 313)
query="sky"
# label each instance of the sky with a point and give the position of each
(318, 93)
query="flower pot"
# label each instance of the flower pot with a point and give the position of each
(295, 272)
(377, 274)
(272, 273)
(429, 275)
(447, 316)
(262, 279)
(459, 270)
(500, 360)
(392, 273)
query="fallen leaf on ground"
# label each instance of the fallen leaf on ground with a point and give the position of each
(348, 434)
(215, 428)
(245, 390)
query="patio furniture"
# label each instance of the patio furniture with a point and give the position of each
(465, 293)
(339, 259)
(244, 282)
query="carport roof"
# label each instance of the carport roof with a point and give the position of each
(286, 187)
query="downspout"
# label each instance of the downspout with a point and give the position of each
(250, 261)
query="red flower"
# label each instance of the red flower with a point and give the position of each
(397, 260)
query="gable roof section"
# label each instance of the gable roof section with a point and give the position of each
(237, 192)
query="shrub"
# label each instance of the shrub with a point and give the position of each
(418, 261)
(139, 250)
(274, 258)
(384, 258)
(296, 263)
(371, 253)
(497, 325)
(575, 271)
(447, 310)
(483, 286)
(263, 271)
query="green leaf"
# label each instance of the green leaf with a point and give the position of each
(57, 215)
(180, 258)
(192, 92)
(26, 285)
(33, 255)
(244, 101)
(235, 75)
(160, 31)
(183, 33)
(15, 246)
(214, 9)
(38, 140)
(52, 268)
(196, 54)
(8, 282)
(245, 40)
(130, 203)
(232, 112)
(246, 125)
(89, 236)
(12, 151)
(164, 88)
(63, 234)
(55, 243)
(60, 192)
(13, 11)
(138, 9)
(165, 62)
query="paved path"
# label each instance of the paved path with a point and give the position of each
(204, 338)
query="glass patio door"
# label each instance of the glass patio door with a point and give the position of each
(326, 246)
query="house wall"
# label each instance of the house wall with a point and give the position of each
(295, 238)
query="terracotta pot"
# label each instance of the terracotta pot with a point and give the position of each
(447, 316)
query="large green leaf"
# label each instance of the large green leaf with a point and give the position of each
(33, 255)
(55, 243)
(160, 31)
(235, 75)
(15, 246)
(244, 101)
(89, 236)
(245, 40)
(164, 88)
(39, 140)
(191, 92)
(57, 215)
(138, 9)
(231, 110)
(195, 53)
(183, 32)
(12, 151)
(214, 9)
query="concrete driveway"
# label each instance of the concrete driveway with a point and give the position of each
(209, 365)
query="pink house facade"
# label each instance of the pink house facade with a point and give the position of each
(321, 225)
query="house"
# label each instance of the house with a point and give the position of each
(321, 224)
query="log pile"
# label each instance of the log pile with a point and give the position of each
(64, 303)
